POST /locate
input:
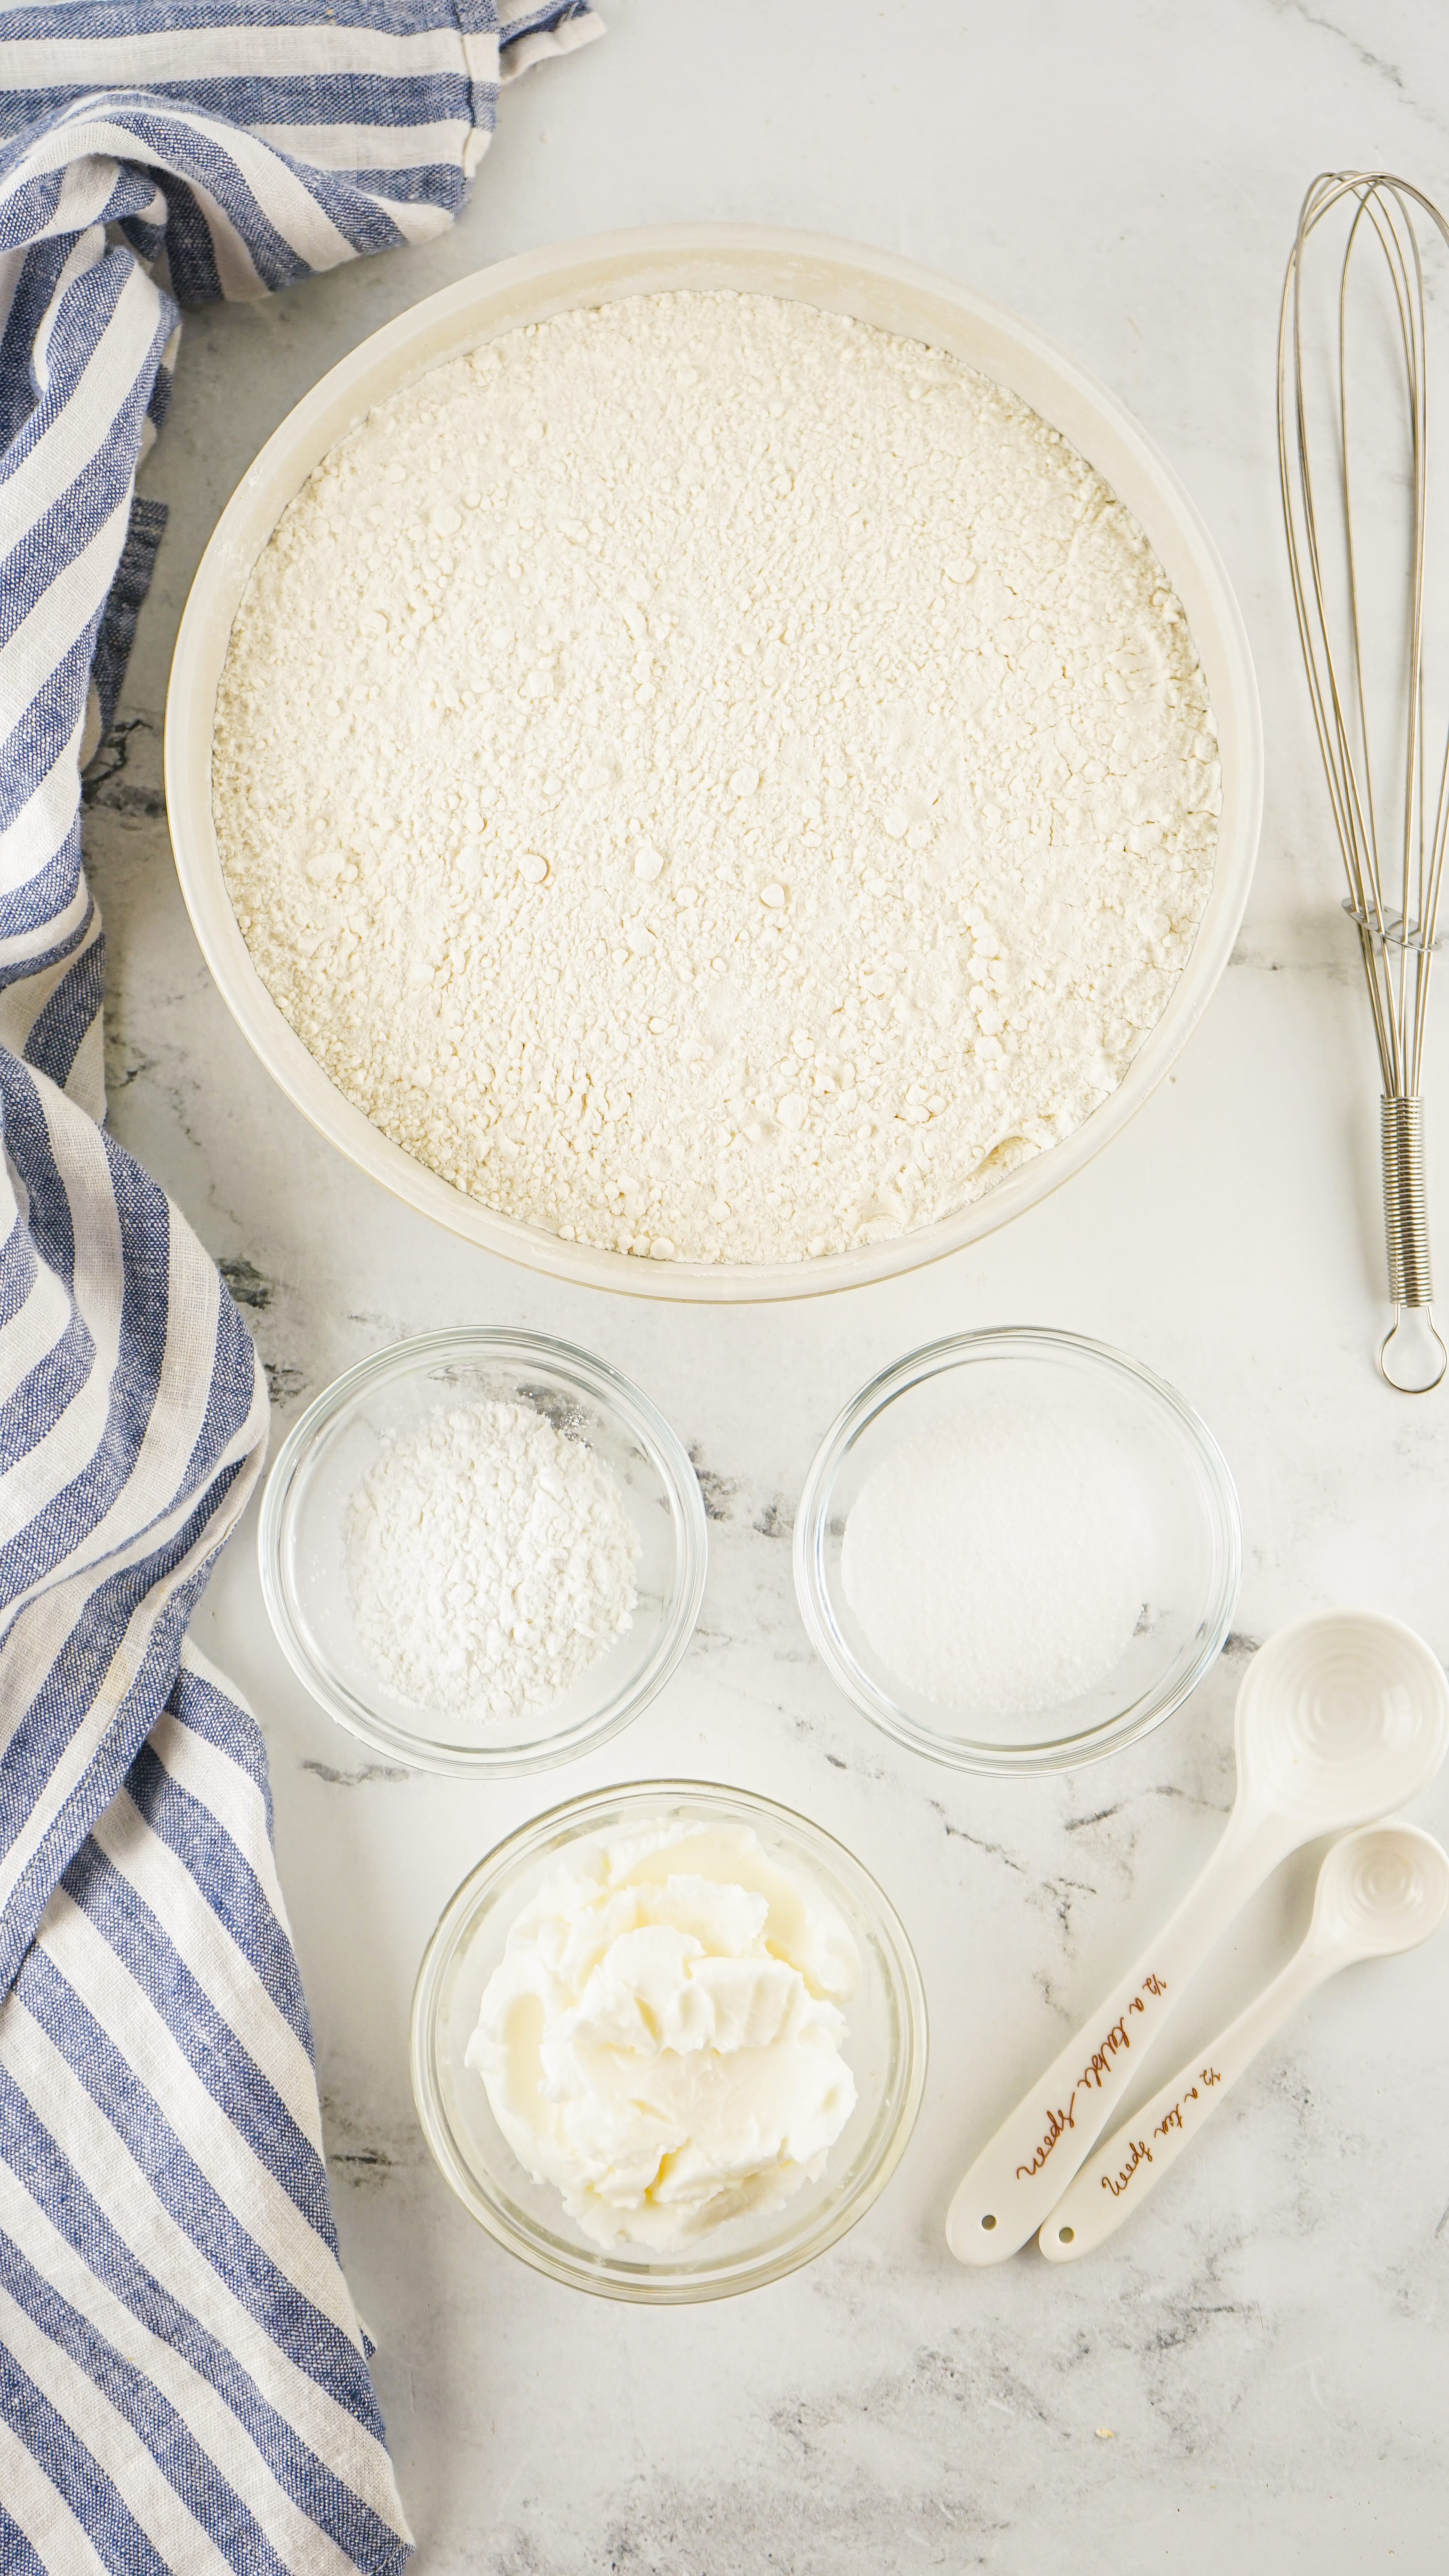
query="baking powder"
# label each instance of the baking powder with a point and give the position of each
(490, 1560)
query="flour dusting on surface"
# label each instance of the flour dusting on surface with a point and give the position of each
(715, 780)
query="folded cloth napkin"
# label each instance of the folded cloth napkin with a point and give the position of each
(183, 2382)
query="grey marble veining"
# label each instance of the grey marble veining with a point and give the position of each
(1254, 2370)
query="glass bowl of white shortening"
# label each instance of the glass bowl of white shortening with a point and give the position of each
(884, 2046)
(1160, 1530)
(303, 1542)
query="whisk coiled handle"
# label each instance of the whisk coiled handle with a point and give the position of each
(1406, 1230)
(1406, 1205)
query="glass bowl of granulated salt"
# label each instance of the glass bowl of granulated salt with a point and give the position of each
(483, 1551)
(1018, 1550)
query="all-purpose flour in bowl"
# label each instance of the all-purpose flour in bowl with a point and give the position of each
(714, 779)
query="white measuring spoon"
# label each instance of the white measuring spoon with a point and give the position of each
(1339, 1719)
(1380, 1891)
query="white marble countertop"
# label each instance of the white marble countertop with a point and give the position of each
(1257, 2365)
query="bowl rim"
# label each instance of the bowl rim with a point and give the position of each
(932, 1359)
(640, 2281)
(833, 275)
(617, 1395)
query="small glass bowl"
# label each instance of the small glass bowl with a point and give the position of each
(1193, 1537)
(885, 2046)
(302, 1552)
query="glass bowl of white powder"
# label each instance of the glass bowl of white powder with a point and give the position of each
(1018, 1550)
(668, 2042)
(483, 1551)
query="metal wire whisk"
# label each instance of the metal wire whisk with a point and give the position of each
(1390, 809)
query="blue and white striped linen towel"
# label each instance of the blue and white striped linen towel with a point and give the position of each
(183, 2382)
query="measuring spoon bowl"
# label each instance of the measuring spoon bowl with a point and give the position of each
(1341, 1716)
(1380, 1891)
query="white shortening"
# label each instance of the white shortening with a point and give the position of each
(663, 2038)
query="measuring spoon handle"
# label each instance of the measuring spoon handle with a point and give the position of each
(1018, 2179)
(1118, 2178)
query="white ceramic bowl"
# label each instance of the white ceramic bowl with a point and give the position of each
(301, 1550)
(885, 2046)
(837, 277)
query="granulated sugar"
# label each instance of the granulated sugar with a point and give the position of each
(490, 1561)
(997, 1566)
(715, 780)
